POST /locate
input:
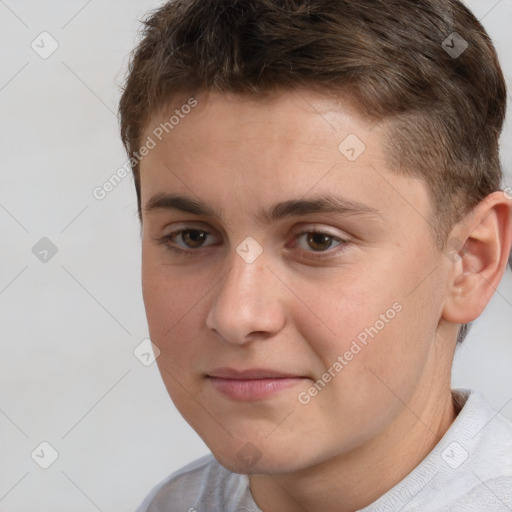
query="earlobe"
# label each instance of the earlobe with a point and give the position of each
(478, 250)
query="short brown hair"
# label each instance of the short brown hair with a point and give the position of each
(426, 67)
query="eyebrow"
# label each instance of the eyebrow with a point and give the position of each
(294, 207)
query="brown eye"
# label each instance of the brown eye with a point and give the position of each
(189, 241)
(319, 241)
(193, 238)
(316, 244)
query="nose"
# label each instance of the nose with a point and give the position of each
(247, 303)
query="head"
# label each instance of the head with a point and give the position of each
(254, 116)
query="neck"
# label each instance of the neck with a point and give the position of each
(353, 480)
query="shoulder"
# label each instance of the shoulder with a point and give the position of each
(203, 481)
(473, 461)
(484, 443)
(485, 437)
(469, 470)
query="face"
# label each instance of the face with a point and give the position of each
(287, 277)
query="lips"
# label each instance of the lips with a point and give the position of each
(253, 383)
(250, 374)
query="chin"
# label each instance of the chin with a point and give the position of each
(249, 458)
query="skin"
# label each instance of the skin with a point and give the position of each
(391, 403)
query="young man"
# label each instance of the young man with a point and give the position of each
(320, 194)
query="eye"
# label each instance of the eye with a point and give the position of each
(186, 240)
(317, 244)
(314, 243)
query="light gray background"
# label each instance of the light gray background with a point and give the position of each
(68, 327)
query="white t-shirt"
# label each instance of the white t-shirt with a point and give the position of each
(469, 470)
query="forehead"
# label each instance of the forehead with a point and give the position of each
(290, 144)
(292, 118)
(270, 137)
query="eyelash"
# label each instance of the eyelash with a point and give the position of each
(343, 244)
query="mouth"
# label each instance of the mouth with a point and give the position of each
(253, 383)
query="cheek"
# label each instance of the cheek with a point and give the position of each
(173, 306)
(169, 293)
(346, 307)
(376, 326)
(167, 304)
(175, 302)
(159, 301)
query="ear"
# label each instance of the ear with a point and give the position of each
(478, 252)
